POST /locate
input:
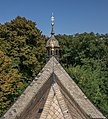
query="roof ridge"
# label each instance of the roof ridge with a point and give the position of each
(42, 84)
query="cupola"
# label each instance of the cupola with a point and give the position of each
(52, 44)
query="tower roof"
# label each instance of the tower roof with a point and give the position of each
(52, 39)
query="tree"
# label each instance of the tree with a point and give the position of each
(11, 82)
(22, 50)
(85, 58)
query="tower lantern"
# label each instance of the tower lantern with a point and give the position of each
(52, 44)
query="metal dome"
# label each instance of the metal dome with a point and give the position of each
(53, 41)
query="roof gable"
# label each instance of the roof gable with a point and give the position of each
(53, 87)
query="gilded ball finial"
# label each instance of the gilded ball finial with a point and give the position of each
(52, 19)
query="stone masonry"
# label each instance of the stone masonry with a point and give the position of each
(53, 95)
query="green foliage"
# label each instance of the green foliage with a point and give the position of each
(86, 45)
(92, 79)
(85, 58)
(22, 55)
(10, 82)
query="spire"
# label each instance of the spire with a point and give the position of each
(52, 44)
(52, 23)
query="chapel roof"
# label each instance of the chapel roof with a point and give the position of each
(53, 95)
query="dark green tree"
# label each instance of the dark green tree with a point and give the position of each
(85, 57)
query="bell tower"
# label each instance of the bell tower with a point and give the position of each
(52, 44)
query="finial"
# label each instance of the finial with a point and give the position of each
(52, 23)
(52, 14)
(52, 19)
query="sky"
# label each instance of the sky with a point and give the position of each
(71, 16)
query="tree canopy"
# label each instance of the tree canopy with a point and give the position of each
(85, 58)
(22, 55)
